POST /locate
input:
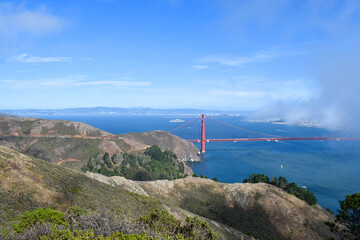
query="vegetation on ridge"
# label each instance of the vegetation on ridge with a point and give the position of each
(348, 217)
(281, 182)
(153, 164)
(76, 224)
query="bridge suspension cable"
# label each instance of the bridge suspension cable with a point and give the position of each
(264, 134)
(184, 124)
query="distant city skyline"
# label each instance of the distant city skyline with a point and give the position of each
(216, 54)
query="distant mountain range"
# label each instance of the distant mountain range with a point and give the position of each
(120, 111)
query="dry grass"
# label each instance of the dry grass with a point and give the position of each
(27, 182)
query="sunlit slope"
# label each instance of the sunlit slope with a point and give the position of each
(261, 210)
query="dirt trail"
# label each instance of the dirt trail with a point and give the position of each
(57, 135)
(68, 160)
(138, 149)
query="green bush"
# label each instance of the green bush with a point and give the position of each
(163, 222)
(197, 229)
(49, 224)
(89, 234)
(40, 216)
(76, 211)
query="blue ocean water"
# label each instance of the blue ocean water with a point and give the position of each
(330, 169)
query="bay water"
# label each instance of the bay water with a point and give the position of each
(330, 168)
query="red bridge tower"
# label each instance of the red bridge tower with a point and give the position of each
(203, 134)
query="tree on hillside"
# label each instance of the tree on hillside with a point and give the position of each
(154, 152)
(256, 178)
(107, 160)
(349, 215)
(280, 182)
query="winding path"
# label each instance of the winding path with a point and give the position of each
(68, 160)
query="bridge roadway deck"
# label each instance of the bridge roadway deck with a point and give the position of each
(275, 139)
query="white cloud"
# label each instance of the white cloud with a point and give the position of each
(235, 61)
(17, 19)
(114, 83)
(240, 94)
(242, 60)
(71, 82)
(27, 58)
(200, 67)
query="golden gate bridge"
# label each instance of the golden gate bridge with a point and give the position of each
(268, 137)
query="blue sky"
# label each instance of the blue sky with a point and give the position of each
(210, 54)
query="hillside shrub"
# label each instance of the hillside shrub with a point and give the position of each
(49, 224)
(163, 222)
(40, 216)
(281, 182)
(197, 229)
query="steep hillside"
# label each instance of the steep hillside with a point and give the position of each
(27, 183)
(73, 143)
(261, 210)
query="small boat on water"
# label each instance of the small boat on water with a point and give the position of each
(176, 120)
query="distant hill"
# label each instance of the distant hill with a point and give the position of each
(119, 111)
(7, 115)
(58, 141)
(34, 126)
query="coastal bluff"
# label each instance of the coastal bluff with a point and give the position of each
(72, 143)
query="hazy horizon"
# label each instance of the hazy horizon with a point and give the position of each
(283, 58)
